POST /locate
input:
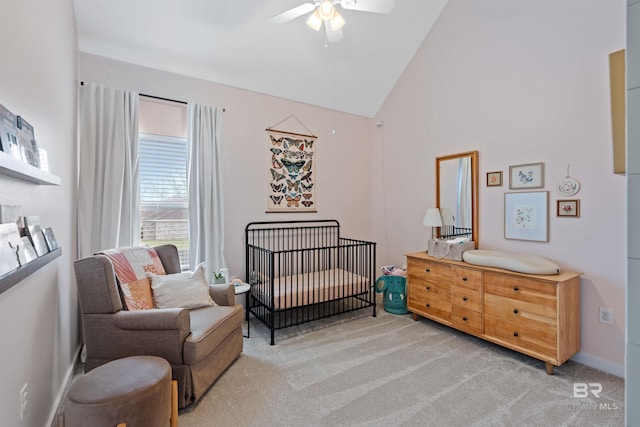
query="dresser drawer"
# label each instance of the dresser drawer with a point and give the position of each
(429, 271)
(520, 288)
(430, 307)
(422, 289)
(467, 298)
(535, 336)
(466, 278)
(466, 319)
(512, 308)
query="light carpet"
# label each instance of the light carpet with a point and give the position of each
(357, 370)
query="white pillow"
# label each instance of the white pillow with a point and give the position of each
(181, 290)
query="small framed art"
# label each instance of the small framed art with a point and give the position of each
(570, 208)
(494, 179)
(526, 176)
(526, 216)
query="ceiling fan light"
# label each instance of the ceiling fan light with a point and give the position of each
(337, 21)
(315, 21)
(326, 10)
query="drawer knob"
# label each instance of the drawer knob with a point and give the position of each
(464, 279)
(427, 287)
(464, 298)
(516, 289)
(427, 305)
(464, 318)
(515, 334)
(428, 270)
(515, 311)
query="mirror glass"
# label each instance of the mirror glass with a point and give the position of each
(457, 194)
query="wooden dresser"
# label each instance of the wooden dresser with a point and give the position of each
(537, 315)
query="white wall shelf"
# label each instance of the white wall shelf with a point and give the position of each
(13, 277)
(13, 167)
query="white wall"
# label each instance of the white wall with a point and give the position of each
(342, 161)
(521, 81)
(632, 384)
(39, 316)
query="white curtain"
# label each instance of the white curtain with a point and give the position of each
(206, 220)
(108, 205)
(464, 193)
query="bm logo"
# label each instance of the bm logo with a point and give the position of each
(581, 390)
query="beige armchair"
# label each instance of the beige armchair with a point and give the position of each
(200, 344)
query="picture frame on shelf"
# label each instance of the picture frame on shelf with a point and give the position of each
(27, 142)
(50, 239)
(26, 251)
(494, 179)
(526, 176)
(9, 241)
(38, 240)
(568, 208)
(526, 216)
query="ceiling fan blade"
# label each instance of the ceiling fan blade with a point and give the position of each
(292, 13)
(332, 35)
(376, 6)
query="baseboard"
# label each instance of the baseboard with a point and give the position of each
(52, 421)
(600, 364)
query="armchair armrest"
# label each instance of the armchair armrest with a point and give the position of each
(157, 332)
(223, 294)
(156, 319)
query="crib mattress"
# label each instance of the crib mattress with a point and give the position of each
(312, 288)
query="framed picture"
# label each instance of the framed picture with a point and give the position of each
(50, 239)
(494, 179)
(27, 142)
(291, 178)
(568, 208)
(526, 176)
(526, 216)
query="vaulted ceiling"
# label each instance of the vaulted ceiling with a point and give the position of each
(233, 43)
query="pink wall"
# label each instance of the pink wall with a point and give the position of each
(39, 331)
(343, 160)
(522, 82)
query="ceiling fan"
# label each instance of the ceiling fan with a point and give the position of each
(324, 12)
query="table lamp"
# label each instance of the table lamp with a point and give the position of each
(432, 219)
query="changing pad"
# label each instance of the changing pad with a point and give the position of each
(522, 263)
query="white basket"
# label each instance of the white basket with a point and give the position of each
(439, 248)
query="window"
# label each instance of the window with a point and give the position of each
(164, 197)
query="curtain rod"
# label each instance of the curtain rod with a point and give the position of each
(163, 99)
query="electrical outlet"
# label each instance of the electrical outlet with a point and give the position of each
(24, 400)
(606, 315)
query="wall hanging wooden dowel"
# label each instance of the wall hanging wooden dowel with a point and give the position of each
(272, 127)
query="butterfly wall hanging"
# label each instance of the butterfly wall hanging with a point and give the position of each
(291, 174)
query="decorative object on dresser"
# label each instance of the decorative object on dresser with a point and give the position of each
(537, 315)
(522, 263)
(450, 248)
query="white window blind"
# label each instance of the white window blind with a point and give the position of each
(164, 198)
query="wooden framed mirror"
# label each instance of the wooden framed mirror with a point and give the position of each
(457, 195)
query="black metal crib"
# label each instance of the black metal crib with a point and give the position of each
(300, 271)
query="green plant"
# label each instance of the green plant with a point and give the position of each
(218, 276)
